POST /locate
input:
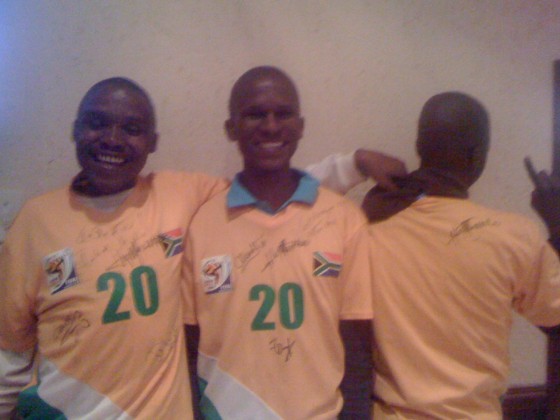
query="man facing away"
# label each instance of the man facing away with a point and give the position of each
(90, 273)
(273, 266)
(447, 275)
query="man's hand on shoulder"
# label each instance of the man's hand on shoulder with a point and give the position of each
(380, 167)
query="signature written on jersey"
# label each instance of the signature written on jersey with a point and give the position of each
(469, 226)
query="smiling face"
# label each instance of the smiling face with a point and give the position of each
(265, 120)
(114, 134)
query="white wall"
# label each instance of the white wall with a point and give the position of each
(364, 69)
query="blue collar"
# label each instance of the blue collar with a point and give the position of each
(306, 192)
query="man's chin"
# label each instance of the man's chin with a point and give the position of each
(272, 165)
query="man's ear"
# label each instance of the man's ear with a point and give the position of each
(229, 128)
(74, 131)
(420, 147)
(154, 142)
(301, 127)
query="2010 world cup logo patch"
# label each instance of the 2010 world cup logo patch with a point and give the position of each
(216, 274)
(60, 270)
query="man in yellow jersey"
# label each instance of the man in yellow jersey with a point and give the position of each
(448, 274)
(274, 266)
(89, 274)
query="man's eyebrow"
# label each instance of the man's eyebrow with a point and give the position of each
(102, 113)
(141, 119)
(92, 113)
(281, 107)
(250, 109)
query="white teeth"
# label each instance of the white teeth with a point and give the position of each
(271, 145)
(110, 159)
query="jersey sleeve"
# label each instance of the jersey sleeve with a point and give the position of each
(537, 296)
(208, 186)
(337, 172)
(16, 371)
(20, 271)
(356, 272)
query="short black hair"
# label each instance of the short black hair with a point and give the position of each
(124, 82)
(454, 117)
(253, 74)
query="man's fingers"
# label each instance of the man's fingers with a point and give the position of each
(387, 183)
(541, 180)
(531, 171)
(400, 181)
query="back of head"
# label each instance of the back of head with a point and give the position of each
(454, 136)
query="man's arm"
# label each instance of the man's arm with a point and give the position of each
(192, 336)
(545, 199)
(380, 167)
(192, 330)
(18, 339)
(357, 383)
(341, 173)
(16, 371)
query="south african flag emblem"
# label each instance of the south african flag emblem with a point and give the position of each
(172, 242)
(326, 264)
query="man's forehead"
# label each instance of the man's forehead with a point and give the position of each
(113, 93)
(271, 81)
(275, 86)
(121, 97)
(267, 82)
(119, 93)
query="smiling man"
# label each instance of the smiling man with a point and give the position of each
(273, 267)
(90, 274)
(114, 134)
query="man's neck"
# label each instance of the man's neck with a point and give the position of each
(436, 182)
(380, 204)
(81, 184)
(104, 203)
(274, 187)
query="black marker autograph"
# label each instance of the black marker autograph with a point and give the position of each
(282, 349)
(72, 326)
(467, 226)
(284, 247)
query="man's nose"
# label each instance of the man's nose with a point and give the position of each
(114, 137)
(271, 123)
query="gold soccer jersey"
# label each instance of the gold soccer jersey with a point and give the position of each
(100, 295)
(447, 273)
(268, 292)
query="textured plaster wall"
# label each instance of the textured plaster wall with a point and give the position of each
(364, 69)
